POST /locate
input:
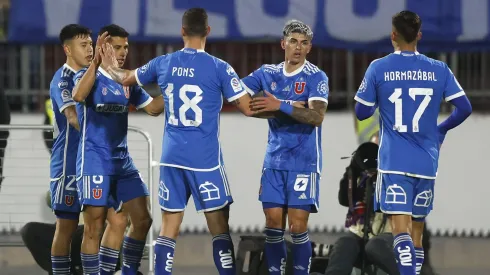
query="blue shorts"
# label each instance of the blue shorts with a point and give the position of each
(210, 190)
(64, 198)
(110, 191)
(290, 188)
(399, 194)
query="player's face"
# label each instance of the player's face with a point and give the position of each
(80, 50)
(296, 46)
(121, 46)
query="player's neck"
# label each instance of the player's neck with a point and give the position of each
(406, 48)
(291, 67)
(195, 43)
(70, 62)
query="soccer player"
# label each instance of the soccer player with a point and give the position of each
(77, 45)
(193, 84)
(408, 89)
(293, 161)
(106, 174)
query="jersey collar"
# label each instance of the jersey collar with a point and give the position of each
(197, 50)
(104, 73)
(400, 52)
(293, 73)
(69, 68)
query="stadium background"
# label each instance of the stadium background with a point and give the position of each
(349, 35)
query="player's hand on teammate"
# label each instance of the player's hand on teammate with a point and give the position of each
(101, 40)
(267, 103)
(299, 104)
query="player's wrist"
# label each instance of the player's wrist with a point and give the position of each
(286, 108)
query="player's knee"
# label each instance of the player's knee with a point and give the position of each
(142, 224)
(117, 224)
(93, 229)
(298, 225)
(401, 224)
(274, 219)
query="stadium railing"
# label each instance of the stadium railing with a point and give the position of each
(26, 178)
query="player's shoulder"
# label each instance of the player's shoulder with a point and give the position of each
(311, 70)
(63, 78)
(272, 68)
(431, 62)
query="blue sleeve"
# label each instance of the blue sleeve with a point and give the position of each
(230, 83)
(364, 111)
(78, 76)
(252, 82)
(148, 73)
(318, 87)
(366, 94)
(61, 93)
(462, 111)
(139, 97)
(452, 89)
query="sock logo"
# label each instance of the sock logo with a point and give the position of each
(226, 259)
(283, 266)
(169, 262)
(405, 256)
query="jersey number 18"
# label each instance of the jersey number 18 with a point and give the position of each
(188, 103)
(413, 92)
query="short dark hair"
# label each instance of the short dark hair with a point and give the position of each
(195, 22)
(114, 31)
(408, 24)
(72, 31)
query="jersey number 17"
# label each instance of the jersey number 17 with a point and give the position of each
(188, 103)
(413, 92)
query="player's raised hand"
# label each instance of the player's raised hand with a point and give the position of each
(267, 103)
(101, 40)
(108, 56)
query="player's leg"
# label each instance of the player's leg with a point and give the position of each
(422, 205)
(394, 195)
(173, 194)
(302, 197)
(272, 194)
(133, 193)
(64, 202)
(212, 195)
(93, 193)
(112, 241)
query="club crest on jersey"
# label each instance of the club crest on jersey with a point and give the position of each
(299, 87)
(69, 200)
(273, 86)
(104, 91)
(126, 91)
(97, 193)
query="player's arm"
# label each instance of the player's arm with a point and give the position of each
(253, 85)
(366, 94)
(142, 76)
(142, 100)
(61, 94)
(85, 78)
(233, 89)
(156, 106)
(455, 95)
(71, 115)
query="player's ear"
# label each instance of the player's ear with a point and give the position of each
(419, 36)
(208, 30)
(182, 31)
(283, 44)
(67, 49)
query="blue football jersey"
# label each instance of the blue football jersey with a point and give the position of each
(408, 89)
(193, 84)
(65, 143)
(292, 146)
(103, 119)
